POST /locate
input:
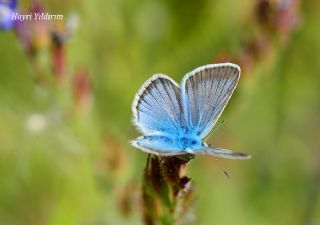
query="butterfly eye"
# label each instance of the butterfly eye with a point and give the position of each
(193, 142)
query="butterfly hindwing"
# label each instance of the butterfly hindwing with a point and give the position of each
(158, 145)
(157, 107)
(205, 92)
(222, 153)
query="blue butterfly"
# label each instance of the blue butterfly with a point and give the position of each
(175, 120)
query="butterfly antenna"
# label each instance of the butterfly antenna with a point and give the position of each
(215, 129)
(222, 169)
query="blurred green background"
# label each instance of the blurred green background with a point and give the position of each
(65, 156)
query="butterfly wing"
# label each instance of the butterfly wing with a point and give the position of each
(157, 107)
(222, 153)
(158, 145)
(205, 92)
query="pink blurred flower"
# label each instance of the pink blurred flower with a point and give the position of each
(81, 88)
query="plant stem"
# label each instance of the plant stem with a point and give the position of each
(164, 185)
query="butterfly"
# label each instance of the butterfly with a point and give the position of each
(176, 119)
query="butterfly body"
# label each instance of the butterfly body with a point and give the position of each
(175, 119)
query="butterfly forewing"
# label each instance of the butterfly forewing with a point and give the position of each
(157, 107)
(205, 93)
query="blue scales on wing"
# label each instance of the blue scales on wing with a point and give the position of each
(205, 93)
(157, 107)
(157, 113)
(159, 145)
